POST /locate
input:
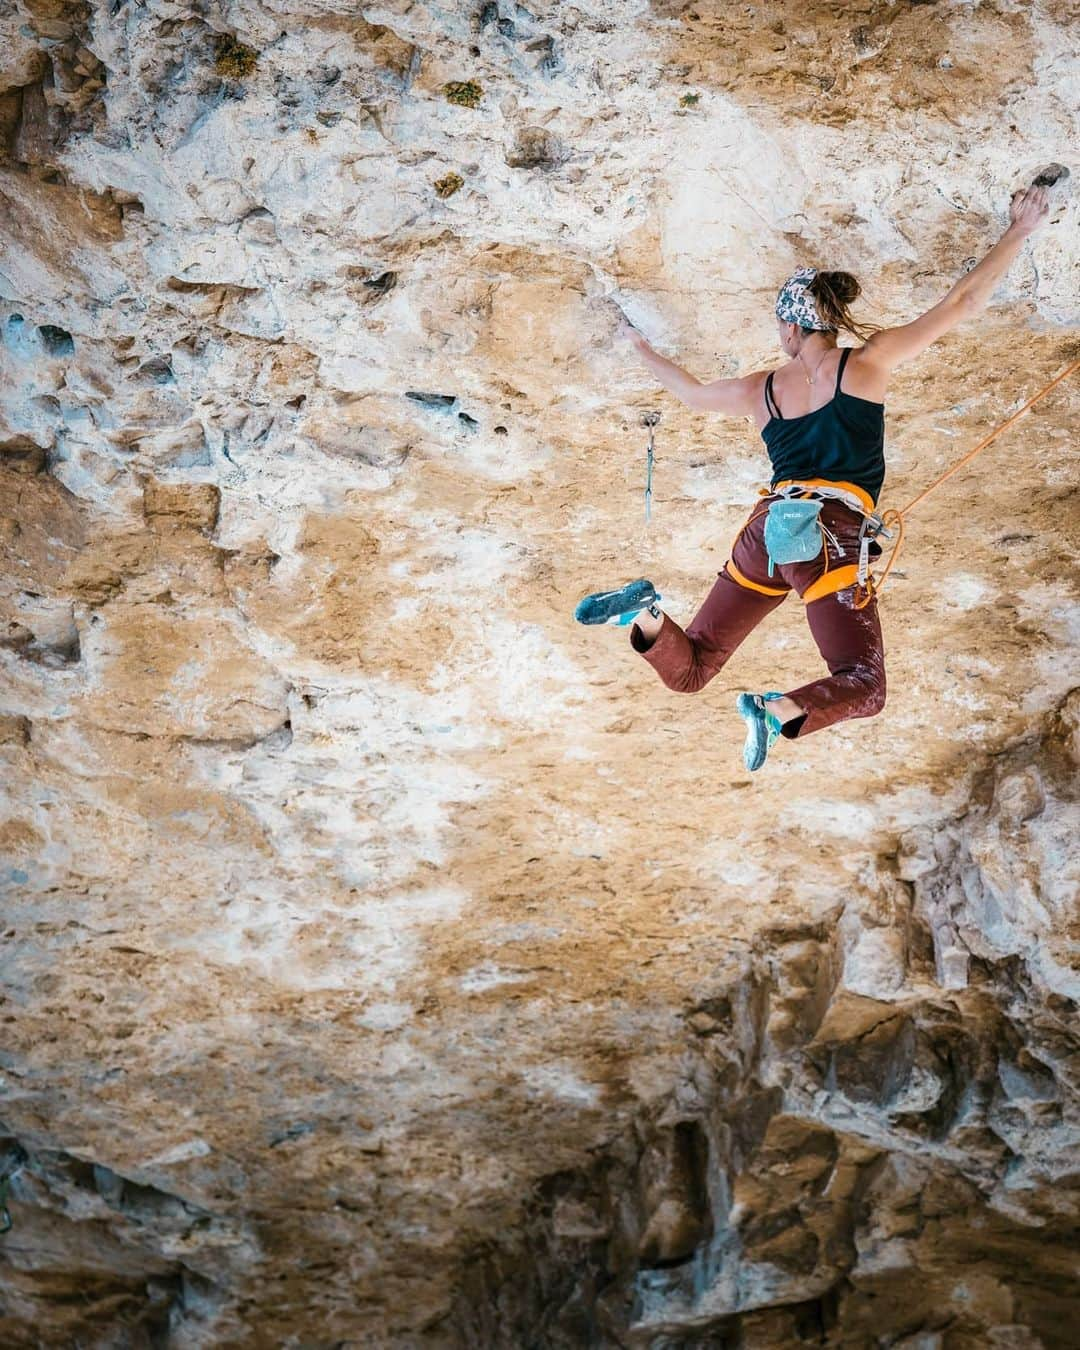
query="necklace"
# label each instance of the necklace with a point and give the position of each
(811, 378)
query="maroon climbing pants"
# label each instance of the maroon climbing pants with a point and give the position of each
(849, 639)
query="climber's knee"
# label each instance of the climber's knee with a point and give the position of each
(690, 681)
(874, 699)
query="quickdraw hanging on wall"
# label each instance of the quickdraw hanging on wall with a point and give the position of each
(649, 419)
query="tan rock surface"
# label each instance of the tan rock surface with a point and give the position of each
(388, 960)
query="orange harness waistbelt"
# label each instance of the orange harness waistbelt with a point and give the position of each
(832, 579)
(849, 493)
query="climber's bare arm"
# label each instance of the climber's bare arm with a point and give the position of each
(970, 296)
(734, 397)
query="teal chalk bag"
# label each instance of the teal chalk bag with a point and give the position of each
(792, 532)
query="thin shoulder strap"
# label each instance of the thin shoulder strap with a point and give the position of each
(771, 405)
(840, 368)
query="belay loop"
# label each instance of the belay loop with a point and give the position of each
(869, 586)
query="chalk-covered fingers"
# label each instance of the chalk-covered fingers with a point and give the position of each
(628, 333)
(1029, 208)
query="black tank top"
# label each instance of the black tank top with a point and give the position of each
(844, 441)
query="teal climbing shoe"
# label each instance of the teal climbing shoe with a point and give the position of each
(618, 607)
(762, 728)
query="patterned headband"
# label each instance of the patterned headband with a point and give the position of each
(795, 304)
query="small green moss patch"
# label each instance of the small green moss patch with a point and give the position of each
(233, 58)
(465, 93)
(449, 184)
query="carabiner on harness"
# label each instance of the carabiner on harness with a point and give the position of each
(871, 529)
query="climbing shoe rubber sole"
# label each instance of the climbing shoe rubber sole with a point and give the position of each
(616, 606)
(762, 728)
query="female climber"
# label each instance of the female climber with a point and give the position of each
(821, 417)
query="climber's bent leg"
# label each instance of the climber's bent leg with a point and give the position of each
(850, 641)
(687, 661)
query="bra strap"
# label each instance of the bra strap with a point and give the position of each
(771, 405)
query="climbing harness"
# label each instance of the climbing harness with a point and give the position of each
(869, 586)
(855, 499)
(649, 420)
(794, 532)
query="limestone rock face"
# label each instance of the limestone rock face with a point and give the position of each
(388, 960)
(836, 1167)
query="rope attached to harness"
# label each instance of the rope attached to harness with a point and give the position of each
(894, 519)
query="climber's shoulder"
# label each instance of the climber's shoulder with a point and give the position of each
(865, 375)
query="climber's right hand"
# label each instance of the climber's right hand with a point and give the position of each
(628, 333)
(1028, 210)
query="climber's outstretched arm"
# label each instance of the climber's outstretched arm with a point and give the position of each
(971, 294)
(734, 397)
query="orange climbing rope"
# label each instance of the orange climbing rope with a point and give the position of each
(894, 519)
